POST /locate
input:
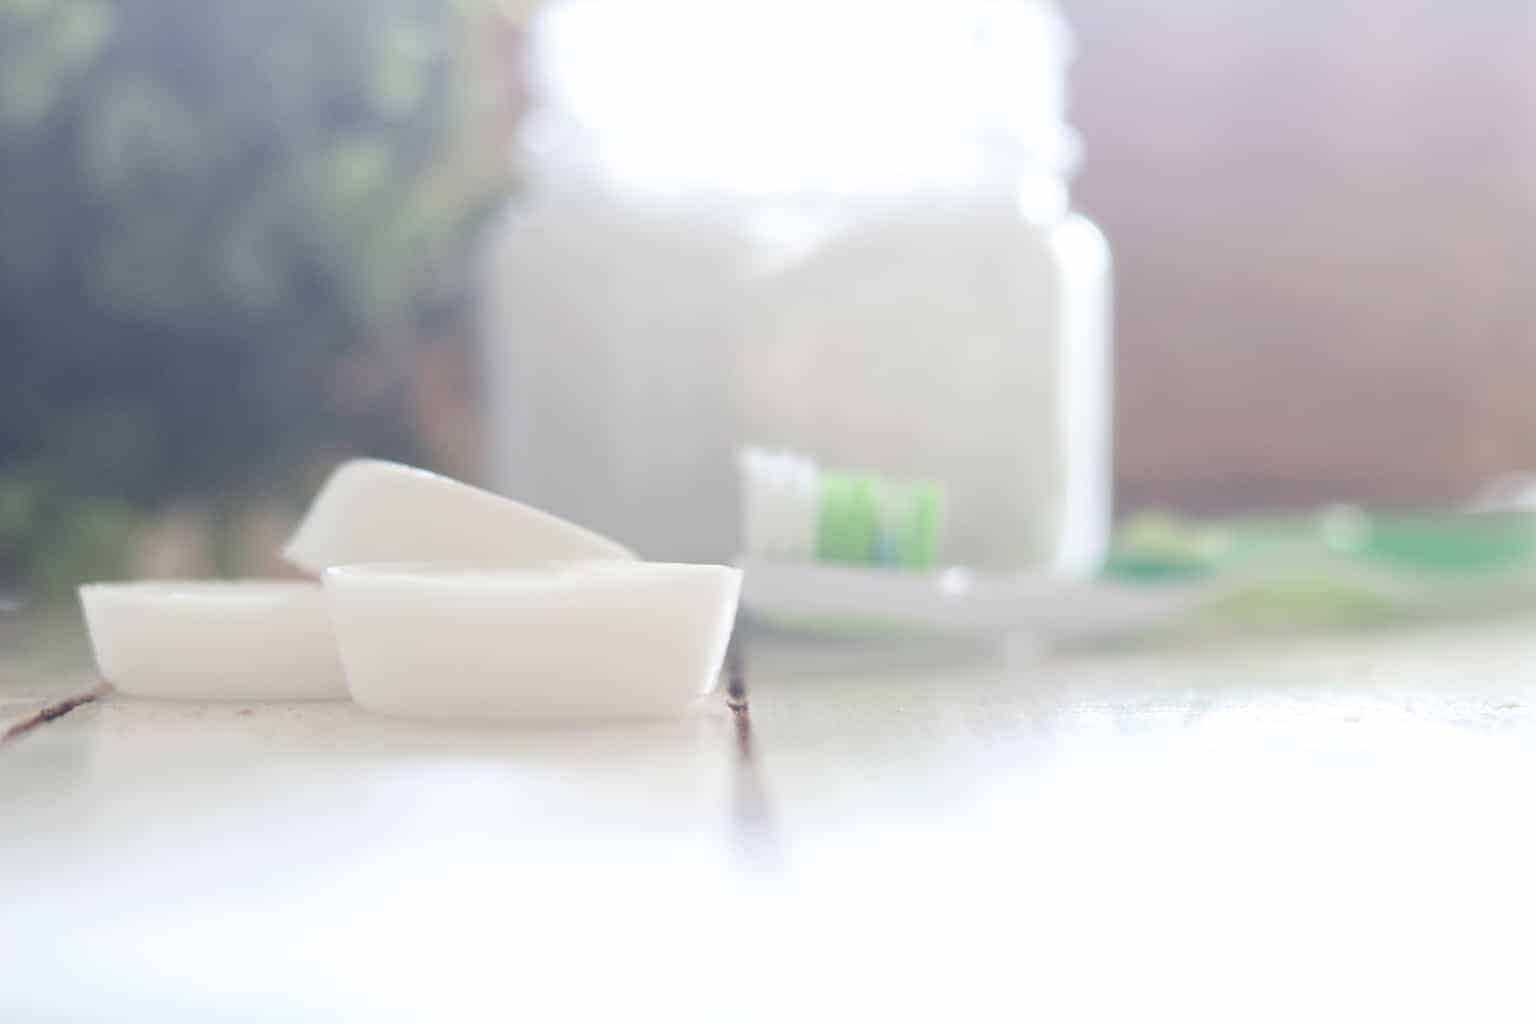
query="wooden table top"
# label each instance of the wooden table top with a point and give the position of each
(1295, 827)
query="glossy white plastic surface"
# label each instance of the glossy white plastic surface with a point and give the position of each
(373, 511)
(214, 640)
(591, 640)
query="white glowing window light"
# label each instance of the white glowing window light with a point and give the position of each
(834, 96)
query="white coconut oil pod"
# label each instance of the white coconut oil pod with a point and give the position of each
(592, 640)
(374, 511)
(214, 640)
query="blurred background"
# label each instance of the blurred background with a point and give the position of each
(239, 241)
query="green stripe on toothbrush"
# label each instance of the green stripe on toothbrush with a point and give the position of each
(864, 519)
(848, 525)
(920, 539)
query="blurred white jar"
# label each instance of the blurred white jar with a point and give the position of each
(839, 227)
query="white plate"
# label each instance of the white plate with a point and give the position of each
(851, 599)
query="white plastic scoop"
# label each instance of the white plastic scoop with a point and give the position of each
(214, 640)
(578, 641)
(373, 511)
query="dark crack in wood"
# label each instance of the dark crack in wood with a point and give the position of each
(752, 821)
(735, 670)
(52, 713)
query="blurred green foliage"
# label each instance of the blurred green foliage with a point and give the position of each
(209, 210)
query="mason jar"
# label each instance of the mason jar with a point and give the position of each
(837, 228)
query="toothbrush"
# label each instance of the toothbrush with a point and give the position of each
(1340, 562)
(1443, 546)
(795, 511)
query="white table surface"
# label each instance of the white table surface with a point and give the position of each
(1288, 828)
